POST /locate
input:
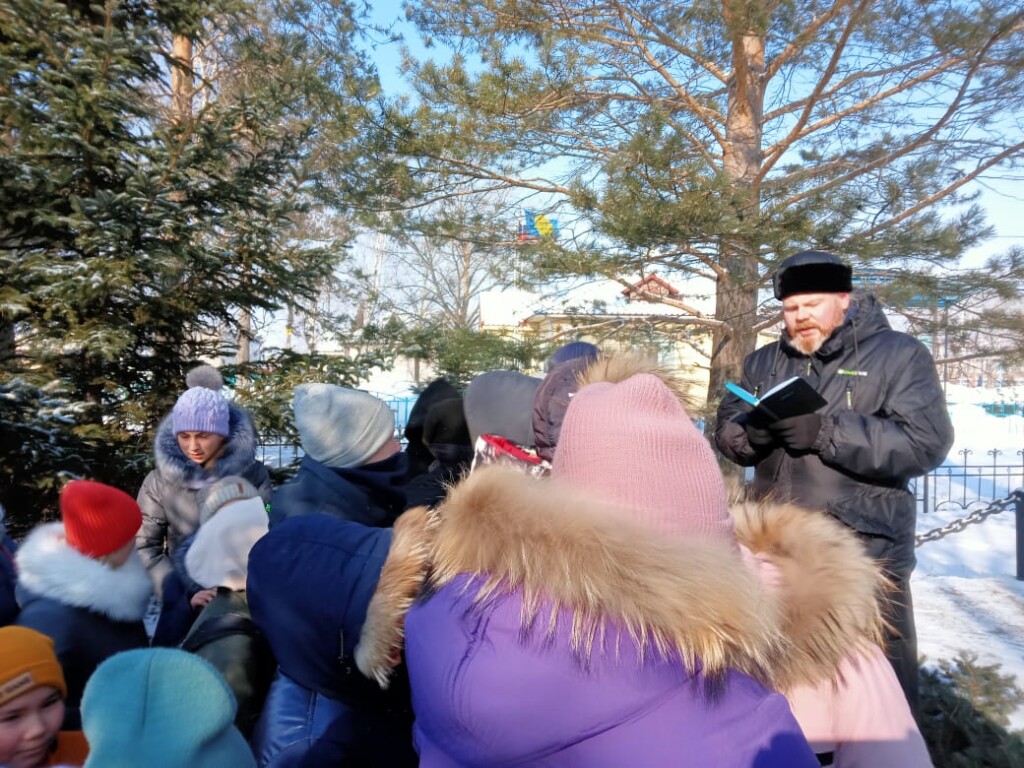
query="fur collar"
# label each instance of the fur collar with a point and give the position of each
(618, 368)
(828, 590)
(238, 455)
(49, 567)
(562, 552)
(824, 591)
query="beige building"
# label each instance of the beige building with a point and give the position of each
(658, 315)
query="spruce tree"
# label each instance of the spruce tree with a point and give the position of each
(132, 231)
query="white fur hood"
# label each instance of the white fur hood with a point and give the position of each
(49, 567)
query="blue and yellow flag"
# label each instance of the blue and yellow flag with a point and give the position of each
(537, 225)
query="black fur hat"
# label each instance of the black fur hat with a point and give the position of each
(812, 272)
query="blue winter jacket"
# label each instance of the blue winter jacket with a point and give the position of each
(371, 494)
(309, 584)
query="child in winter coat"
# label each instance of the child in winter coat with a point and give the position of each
(32, 693)
(815, 586)
(161, 707)
(216, 557)
(81, 582)
(205, 438)
(310, 580)
(354, 468)
(446, 438)
(499, 414)
(843, 691)
(419, 456)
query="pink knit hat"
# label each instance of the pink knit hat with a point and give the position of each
(632, 444)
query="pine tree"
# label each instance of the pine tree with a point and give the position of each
(131, 232)
(965, 709)
(716, 138)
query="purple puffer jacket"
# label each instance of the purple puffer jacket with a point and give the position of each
(554, 631)
(485, 695)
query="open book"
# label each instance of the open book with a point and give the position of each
(793, 397)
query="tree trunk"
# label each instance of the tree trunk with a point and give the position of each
(737, 285)
(181, 115)
(244, 352)
(465, 285)
(181, 79)
(8, 342)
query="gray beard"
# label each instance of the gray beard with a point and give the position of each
(806, 346)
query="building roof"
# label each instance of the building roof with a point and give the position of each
(599, 297)
(652, 284)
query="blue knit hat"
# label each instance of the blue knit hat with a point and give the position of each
(202, 408)
(571, 351)
(161, 708)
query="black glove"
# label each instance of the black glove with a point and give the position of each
(758, 434)
(798, 433)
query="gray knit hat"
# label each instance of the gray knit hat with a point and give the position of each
(202, 408)
(227, 489)
(341, 427)
(501, 403)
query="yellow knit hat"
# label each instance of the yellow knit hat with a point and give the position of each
(27, 661)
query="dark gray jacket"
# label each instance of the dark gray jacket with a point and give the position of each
(885, 423)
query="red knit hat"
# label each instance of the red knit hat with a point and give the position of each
(632, 444)
(98, 519)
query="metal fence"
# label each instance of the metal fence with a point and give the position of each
(970, 485)
(978, 478)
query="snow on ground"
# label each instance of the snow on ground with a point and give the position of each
(966, 595)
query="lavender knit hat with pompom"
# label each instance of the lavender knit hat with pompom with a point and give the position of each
(202, 408)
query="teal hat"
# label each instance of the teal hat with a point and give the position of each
(161, 708)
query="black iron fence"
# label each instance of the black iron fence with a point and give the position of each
(972, 483)
(963, 486)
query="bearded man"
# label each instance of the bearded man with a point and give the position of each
(885, 423)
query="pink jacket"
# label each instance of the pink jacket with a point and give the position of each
(864, 718)
(841, 688)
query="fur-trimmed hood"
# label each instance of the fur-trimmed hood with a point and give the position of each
(829, 592)
(788, 615)
(238, 455)
(49, 567)
(563, 552)
(615, 369)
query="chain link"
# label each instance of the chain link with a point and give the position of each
(977, 516)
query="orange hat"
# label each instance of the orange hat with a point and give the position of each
(98, 519)
(27, 661)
